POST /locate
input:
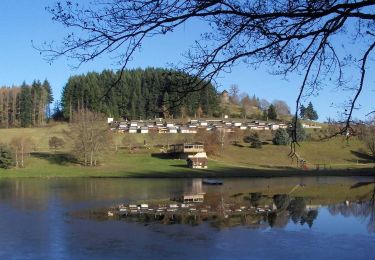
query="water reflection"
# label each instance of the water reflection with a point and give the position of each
(43, 219)
(277, 212)
(360, 209)
(255, 209)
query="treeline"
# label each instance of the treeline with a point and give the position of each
(148, 93)
(238, 104)
(25, 105)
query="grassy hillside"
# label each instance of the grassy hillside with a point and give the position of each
(333, 152)
(235, 160)
(39, 136)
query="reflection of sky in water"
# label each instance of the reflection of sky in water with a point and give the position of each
(34, 223)
(336, 225)
(328, 224)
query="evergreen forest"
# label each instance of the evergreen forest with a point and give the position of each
(134, 94)
(140, 94)
(25, 105)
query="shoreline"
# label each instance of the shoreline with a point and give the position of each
(225, 173)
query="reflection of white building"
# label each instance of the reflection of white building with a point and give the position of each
(313, 207)
(196, 186)
(193, 198)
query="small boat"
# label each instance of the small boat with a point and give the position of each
(212, 182)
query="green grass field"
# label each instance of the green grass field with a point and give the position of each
(334, 153)
(340, 158)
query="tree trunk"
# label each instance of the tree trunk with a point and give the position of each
(6, 111)
(16, 153)
(22, 148)
(92, 158)
(70, 111)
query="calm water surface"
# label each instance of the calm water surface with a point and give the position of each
(38, 221)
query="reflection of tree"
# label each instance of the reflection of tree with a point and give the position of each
(297, 209)
(371, 224)
(281, 201)
(309, 217)
(278, 219)
(255, 198)
(255, 221)
(167, 219)
(359, 209)
(353, 209)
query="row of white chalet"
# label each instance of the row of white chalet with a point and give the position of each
(192, 127)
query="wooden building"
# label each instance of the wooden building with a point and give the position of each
(186, 148)
(197, 161)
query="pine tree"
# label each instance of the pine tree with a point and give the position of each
(310, 112)
(49, 97)
(281, 137)
(300, 133)
(165, 105)
(271, 113)
(264, 115)
(138, 93)
(302, 111)
(36, 90)
(25, 106)
(6, 160)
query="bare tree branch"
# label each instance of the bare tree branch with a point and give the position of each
(287, 36)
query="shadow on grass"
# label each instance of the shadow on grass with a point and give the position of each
(362, 156)
(56, 158)
(249, 145)
(168, 156)
(184, 166)
(181, 171)
(362, 184)
(277, 167)
(238, 145)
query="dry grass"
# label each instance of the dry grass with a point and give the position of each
(39, 136)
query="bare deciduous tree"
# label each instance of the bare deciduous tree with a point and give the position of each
(234, 92)
(246, 105)
(322, 40)
(236, 136)
(211, 141)
(56, 143)
(264, 104)
(367, 136)
(211, 144)
(128, 140)
(21, 148)
(282, 109)
(90, 135)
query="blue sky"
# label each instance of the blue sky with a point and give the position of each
(24, 21)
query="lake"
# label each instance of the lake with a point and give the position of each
(49, 219)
